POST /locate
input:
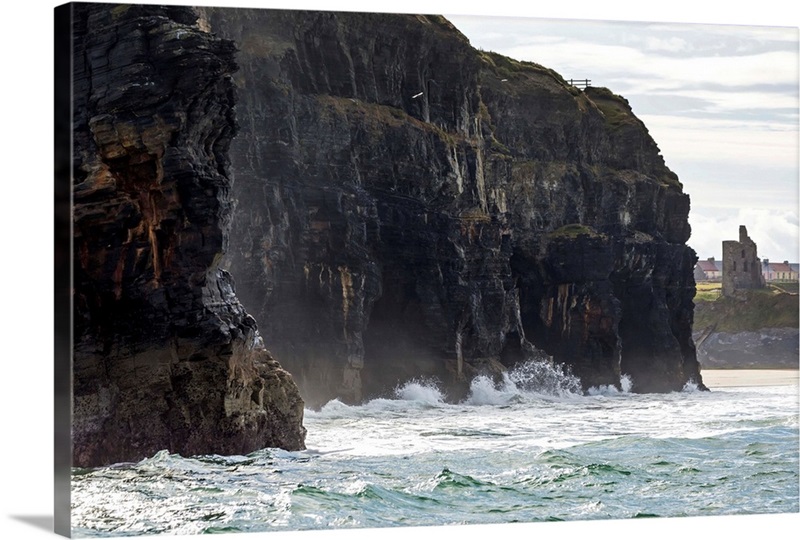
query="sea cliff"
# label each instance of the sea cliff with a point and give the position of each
(391, 202)
(409, 206)
(165, 356)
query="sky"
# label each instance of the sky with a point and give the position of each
(721, 102)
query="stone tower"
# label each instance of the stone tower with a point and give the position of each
(741, 267)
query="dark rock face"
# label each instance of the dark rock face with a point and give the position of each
(165, 355)
(409, 206)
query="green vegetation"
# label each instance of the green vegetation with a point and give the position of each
(475, 214)
(376, 117)
(498, 147)
(708, 292)
(754, 310)
(791, 287)
(118, 11)
(615, 109)
(573, 230)
(671, 179)
(506, 67)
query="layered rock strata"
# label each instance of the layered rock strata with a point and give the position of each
(165, 356)
(410, 206)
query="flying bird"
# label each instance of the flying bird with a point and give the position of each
(416, 96)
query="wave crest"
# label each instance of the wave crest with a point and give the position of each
(424, 391)
(625, 385)
(531, 378)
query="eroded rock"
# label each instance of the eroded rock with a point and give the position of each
(165, 356)
(409, 206)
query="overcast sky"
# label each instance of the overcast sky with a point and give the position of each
(720, 101)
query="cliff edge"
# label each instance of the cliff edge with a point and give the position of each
(165, 356)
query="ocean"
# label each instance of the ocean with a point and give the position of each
(528, 449)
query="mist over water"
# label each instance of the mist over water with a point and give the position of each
(530, 447)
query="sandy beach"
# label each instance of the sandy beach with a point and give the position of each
(721, 378)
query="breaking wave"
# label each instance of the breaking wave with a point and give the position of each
(424, 391)
(529, 379)
(625, 385)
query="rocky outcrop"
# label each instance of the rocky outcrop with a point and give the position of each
(751, 328)
(165, 356)
(410, 206)
(771, 348)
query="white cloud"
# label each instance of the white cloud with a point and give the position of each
(672, 44)
(724, 140)
(723, 102)
(658, 72)
(775, 232)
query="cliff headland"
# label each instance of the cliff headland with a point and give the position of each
(407, 205)
(391, 202)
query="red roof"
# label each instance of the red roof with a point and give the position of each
(780, 267)
(707, 266)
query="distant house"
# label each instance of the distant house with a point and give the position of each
(708, 270)
(779, 271)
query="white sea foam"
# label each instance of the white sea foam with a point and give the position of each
(544, 378)
(333, 408)
(690, 386)
(424, 391)
(532, 379)
(484, 391)
(625, 383)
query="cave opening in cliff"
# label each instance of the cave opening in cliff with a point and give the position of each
(397, 341)
(512, 352)
(528, 282)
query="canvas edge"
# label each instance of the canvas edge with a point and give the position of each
(62, 233)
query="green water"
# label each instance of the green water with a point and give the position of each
(507, 454)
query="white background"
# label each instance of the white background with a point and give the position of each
(26, 275)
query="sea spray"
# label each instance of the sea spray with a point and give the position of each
(625, 385)
(530, 379)
(690, 386)
(484, 391)
(626, 382)
(545, 378)
(424, 391)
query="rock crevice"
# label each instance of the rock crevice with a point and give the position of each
(165, 356)
(410, 206)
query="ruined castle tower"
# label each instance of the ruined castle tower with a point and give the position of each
(741, 267)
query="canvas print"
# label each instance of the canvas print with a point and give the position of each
(365, 270)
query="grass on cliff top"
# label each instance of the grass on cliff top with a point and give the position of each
(508, 68)
(615, 109)
(757, 309)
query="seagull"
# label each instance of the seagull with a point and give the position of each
(503, 80)
(416, 96)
